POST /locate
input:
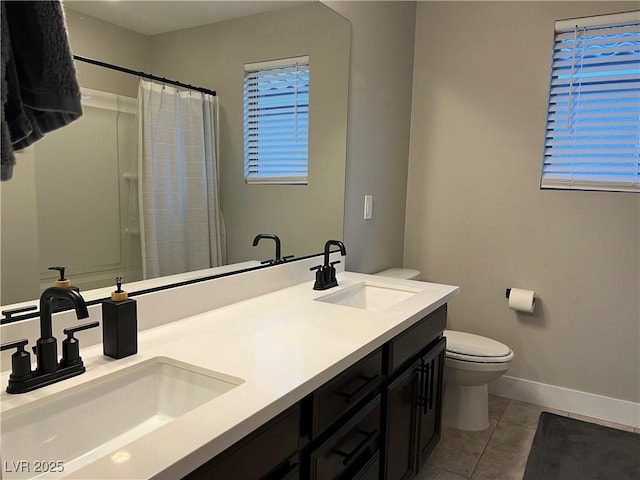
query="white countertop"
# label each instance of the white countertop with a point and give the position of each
(283, 344)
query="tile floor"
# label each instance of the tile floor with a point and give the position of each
(498, 453)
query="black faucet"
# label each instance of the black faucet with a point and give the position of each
(278, 259)
(49, 370)
(47, 345)
(326, 273)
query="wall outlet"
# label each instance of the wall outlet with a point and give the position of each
(368, 207)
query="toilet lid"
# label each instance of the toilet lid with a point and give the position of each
(470, 347)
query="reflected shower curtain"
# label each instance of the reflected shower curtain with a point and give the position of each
(181, 225)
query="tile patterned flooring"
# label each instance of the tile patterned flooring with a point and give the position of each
(498, 453)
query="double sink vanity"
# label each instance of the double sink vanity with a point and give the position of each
(292, 383)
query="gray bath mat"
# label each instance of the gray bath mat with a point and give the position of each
(569, 449)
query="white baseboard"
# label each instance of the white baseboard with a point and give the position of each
(565, 399)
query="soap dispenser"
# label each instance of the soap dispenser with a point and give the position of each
(119, 324)
(60, 304)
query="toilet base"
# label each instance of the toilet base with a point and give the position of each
(466, 407)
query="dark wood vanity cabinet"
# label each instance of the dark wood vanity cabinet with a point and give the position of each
(401, 423)
(342, 393)
(270, 452)
(429, 401)
(347, 453)
(413, 414)
(413, 396)
(407, 372)
(345, 417)
(378, 419)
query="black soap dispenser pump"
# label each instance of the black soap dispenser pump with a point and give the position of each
(59, 304)
(119, 324)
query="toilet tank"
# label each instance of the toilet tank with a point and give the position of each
(403, 273)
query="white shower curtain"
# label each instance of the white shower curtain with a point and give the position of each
(181, 225)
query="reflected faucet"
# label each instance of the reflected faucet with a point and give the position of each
(326, 273)
(278, 259)
(47, 345)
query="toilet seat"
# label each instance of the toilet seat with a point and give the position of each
(468, 347)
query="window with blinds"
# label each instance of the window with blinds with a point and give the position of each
(276, 121)
(593, 122)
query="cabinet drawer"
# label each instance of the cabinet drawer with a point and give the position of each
(371, 470)
(343, 392)
(409, 343)
(255, 456)
(293, 473)
(349, 449)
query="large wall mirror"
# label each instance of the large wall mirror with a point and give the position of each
(72, 200)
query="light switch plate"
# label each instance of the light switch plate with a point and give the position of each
(368, 207)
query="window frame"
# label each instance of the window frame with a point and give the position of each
(571, 152)
(283, 157)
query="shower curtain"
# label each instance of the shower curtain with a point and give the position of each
(181, 225)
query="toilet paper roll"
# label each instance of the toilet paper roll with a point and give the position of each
(522, 300)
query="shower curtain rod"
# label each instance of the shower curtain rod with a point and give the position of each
(144, 75)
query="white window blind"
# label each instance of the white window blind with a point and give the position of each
(276, 121)
(593, 122)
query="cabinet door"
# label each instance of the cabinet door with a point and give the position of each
(401, 422)
(430, 401)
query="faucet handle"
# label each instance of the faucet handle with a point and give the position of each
(20, 361)
(332, 272)
(71, 346)
(71, 330)
(8, 313)
(287, 257)
(317, 267)
(19, 344)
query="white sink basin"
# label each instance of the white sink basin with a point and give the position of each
(370, 296)
(79, 425)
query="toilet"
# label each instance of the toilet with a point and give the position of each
(471, 362)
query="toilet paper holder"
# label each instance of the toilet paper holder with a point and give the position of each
(521, 300)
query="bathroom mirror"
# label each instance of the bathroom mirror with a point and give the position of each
(65, 212)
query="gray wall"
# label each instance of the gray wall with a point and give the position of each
(381, 69)
(20, 279)
(477, 218)
(93, 38)
(214, 56)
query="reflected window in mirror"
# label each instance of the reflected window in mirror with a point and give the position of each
(276, 121)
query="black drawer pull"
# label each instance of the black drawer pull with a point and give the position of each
(349, 397)
(432, 376)
(425, 382)
(362, 446)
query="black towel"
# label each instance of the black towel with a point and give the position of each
(40, 90)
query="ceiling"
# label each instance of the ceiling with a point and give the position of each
(150, 17)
